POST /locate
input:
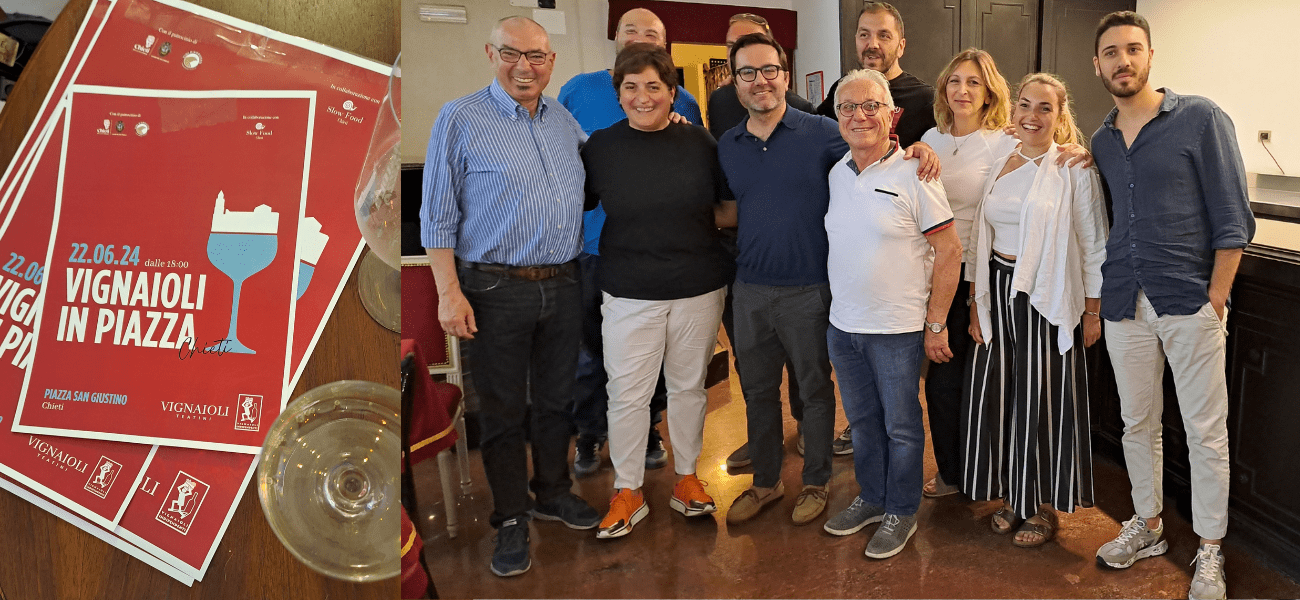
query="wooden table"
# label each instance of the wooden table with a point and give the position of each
(41, 557)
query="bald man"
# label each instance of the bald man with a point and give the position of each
(501, 222)
(592, 99)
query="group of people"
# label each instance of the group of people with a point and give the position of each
(895, 224)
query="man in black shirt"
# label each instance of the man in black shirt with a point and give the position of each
(880, 44)
(725, 110)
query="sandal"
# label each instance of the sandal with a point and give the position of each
(1045, 531)
(938, 488)
(1008, 516)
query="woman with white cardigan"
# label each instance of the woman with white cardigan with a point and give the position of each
(1039, 240)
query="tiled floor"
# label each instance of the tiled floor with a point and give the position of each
(953, 554)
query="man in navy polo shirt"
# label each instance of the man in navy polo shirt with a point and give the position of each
(776, 162)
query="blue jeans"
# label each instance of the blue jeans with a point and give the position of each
(879, 379)
(590, 398)
(527, 343)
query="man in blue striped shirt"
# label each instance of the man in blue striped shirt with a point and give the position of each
(501, 221)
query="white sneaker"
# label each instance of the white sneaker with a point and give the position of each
(1209, 583)
(1135, 541)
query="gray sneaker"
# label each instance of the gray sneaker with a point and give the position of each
(739, 458)
(892, 536)
(1135, 541)
(1209, 583)
(844, 444)
(852, 519)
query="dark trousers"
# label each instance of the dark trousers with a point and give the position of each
(729, 326)
(943, 389)
(777, 326)
(527, 341)
(590, 398)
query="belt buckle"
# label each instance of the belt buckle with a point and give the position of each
(535, 273)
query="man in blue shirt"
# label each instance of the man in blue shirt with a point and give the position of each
(776, 161)
(500, 221)
(1181, 221)
(593, 101)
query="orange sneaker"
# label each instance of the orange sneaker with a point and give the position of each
(626, 509)
(689, 497)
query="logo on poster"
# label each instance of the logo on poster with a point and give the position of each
(148, 45)
(191, 60)
(106, 129)
(249, 413)
(349, 105)
(103, 476)
(141, 128)
(119, 126)
(259, 126)
(183, 502)
(165, 49)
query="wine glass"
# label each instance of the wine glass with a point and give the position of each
(379, 212)
(311, 244)
(328, 479)
(241, 244)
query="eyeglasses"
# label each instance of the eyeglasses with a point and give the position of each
(848, 109)
(511, 55)
(770, 72)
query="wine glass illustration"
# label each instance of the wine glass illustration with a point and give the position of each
(328, 479)
(311, 244)
(241, 244)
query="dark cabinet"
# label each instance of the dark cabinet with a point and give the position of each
(1024, 36)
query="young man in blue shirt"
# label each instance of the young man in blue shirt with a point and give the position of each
(1181, 222)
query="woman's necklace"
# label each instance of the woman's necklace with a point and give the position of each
(1027, 158)
(965, 139)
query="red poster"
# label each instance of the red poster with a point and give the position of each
(185, 500)
(173, 251)
(167, 44)
(93, 478)
(349, 89)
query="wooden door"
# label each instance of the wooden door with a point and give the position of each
(1069, 31)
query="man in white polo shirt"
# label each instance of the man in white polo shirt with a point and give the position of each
(893, 267)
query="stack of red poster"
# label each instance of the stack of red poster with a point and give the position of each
(177, 227)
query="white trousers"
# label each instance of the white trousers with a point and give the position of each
(1195, 346)
(641, 335)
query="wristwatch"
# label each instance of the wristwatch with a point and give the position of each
(936, 327)
(970, 299)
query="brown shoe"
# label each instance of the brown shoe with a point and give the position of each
(809, 504)
(750, 502)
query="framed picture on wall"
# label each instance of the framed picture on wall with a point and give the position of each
(815, 90)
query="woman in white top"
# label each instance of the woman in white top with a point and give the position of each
(1038, 241)
(971, 111)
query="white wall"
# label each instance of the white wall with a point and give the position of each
(442, 62)
(1242, 57)
(819, 43)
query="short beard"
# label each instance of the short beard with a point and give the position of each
(885, 65)
(1138, 82)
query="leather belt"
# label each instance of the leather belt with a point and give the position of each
(531, 273)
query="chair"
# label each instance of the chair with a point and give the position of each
(420, 323)
(432, 412)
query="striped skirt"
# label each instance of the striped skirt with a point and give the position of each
(1025, 430)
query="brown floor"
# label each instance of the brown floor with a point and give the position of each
(952, 555)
